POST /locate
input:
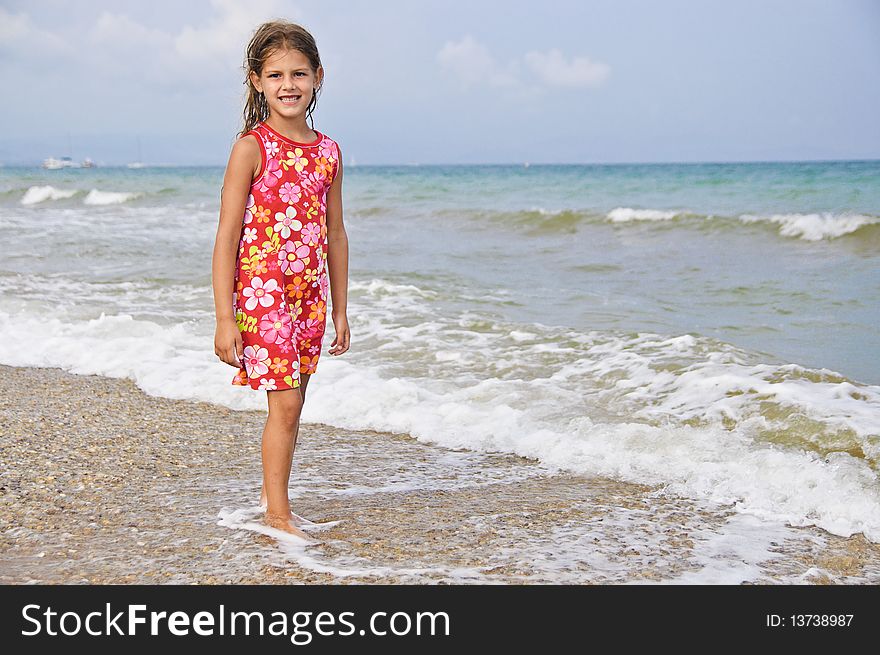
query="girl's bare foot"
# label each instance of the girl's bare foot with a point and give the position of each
(295, 518)
(286, 523)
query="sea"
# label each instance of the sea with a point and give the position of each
(710, 327)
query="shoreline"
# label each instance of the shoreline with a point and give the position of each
(102, 483)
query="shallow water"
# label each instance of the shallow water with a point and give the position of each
(98, 497)
(707, 327)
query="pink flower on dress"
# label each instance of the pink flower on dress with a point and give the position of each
(290, 193)
(256, 361)
(268, 384)
(260, 293)
(273, 173)
(311, 233)
(326, 149)
(312, 184)
(293, 257)
(310, 328)
(276, 326)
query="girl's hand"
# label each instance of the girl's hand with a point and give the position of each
(228, 345)
(343, 335)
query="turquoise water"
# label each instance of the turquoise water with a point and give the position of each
(776, 257)
(711, 326)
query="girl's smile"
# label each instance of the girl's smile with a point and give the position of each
(288, 83)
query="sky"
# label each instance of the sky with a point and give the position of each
(450, 82)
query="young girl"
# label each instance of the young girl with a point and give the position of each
(280, 235)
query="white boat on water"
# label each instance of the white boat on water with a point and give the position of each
(51, 163)
(140, 160)
(65, 162)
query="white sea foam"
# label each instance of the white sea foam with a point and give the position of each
(687, 378)
(310, 557)
(594, 403)
(809, 227)
(37, 194)
(628, 214)
(813, 227)
(96, 197)
(734, 553)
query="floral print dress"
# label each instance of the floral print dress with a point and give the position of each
(281, 279)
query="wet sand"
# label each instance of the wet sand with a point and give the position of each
(101, 483)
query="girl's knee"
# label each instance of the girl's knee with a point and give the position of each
(285, 405)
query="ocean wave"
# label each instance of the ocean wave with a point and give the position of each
(37, 194)
(538, 220)
(628, 214)
(97, 197)
(697, 416)
(814, 227)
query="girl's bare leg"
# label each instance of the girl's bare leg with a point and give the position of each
(304, 383)
(279, 433)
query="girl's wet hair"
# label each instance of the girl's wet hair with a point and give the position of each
(269, 37)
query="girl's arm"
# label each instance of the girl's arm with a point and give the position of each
(337, 262)
(244, 161)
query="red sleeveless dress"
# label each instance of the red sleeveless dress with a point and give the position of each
(281, 280)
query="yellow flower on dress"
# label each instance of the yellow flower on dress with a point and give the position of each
(295, 160)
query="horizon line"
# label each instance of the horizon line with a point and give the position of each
(38, 164)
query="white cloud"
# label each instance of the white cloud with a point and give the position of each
(227, 33)
(121, 32)
(18, 35)
(472, 64)
(121, 47)
(556, 71)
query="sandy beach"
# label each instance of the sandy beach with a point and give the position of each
(102, 483)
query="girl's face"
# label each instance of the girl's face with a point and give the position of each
(288, 83)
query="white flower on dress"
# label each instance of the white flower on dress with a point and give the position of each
(287, 221)
(272, 147)
(249, 234)
(249, 209)
(268, 385)
(260, 293)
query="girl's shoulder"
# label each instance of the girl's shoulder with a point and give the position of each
(328, 140)
(330, 146)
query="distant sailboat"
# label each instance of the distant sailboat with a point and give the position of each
(351, 161)
(140, 161)
(50, 163)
